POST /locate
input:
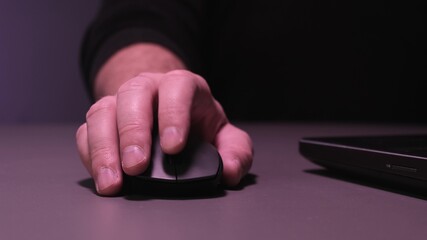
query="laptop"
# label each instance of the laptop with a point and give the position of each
(398, 160)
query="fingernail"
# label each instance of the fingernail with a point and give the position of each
(105, 179)
(132, 156)
(171, 137)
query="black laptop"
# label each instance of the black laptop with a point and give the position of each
(400, 160)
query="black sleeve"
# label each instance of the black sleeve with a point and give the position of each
(175, 24)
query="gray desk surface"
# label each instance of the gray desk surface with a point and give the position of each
(44, 194)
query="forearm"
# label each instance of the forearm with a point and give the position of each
(131, 61)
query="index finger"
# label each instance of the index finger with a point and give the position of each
(135, 103)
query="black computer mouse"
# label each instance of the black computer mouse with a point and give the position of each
(196, 169)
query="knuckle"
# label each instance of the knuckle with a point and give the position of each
(172, 110)
(184, 76)
(148, 75)
(104, 104)
(102, 156)
(139, 83)
(181, 72)
(174, 114)
(80, 131)
(133, 128)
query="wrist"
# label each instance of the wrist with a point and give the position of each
(131, 61)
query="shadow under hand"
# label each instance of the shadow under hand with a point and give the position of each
(248, 180)
(385, 185)
(137, 191)
(141, 192)
(89, 184)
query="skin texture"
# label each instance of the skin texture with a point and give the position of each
(140, 84)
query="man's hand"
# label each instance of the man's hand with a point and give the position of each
(116, 137)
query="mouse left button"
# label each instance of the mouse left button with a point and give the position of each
(161, 167)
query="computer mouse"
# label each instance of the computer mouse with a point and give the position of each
(197, 168)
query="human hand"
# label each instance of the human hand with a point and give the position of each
(116, 137)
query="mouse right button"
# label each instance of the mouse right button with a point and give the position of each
(199, 161)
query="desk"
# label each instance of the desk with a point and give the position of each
(46, 194)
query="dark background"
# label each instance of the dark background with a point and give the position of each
(40, 80)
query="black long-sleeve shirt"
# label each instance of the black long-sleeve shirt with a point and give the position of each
(284, 59)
